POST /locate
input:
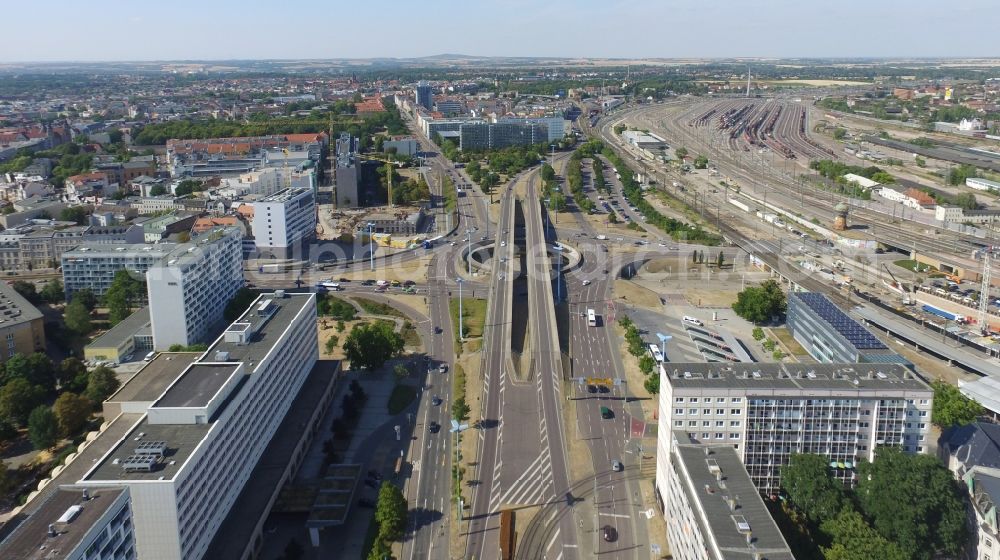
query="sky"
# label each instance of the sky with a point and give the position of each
(110, 30)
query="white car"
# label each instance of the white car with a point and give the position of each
(503, 243)
(586, 282)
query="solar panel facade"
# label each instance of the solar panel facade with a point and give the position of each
(856, 334)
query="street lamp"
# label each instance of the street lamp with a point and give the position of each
(461, 331)
(371, 244)
(468, 255)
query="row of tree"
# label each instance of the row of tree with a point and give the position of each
(390, 516)
(637, 347)
(905, 507)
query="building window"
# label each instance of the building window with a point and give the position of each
(720, 411)
(692, 423)
(693, 411)
(720, 400)
(735, 412)
(679, 411)
(706, 423)
(678, 423)
(737, 400)
(679, 399)
(923, 413)
(720, 435)
(734, 435)
(988, 543)
(920, 449)
(707, 411)
(691, 400)
(720, 423)
(705, 435)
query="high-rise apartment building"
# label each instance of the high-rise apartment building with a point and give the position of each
(93, 267)
(480, 136)
(186, 458)
(284, 221)
(768, 411)
(424, 96)
(190, 287)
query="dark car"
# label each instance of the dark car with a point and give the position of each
(367, 282)
(409, 283)
(603, 388)
(436, 401)
(609, 533)
(591, 388)
(606, 413)
(343, 280)
(434, 427)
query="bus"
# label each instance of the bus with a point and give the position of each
(591, 318)
(329, 286)
(654, 351)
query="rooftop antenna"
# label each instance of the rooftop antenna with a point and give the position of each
(748, 80)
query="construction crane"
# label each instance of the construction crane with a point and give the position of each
(388, 169)
(984, 292)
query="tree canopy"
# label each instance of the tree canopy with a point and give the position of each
(369, 346)
(806, 479)
(43, 428)
(123, 294)
(759, 303)
(77, 317)
(72, 412)
(853, 539)
(390, 512)
(952, 408)
(101, 383)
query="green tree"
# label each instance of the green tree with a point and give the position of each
(43, 428)
(806, 478)
(35, 368)
(239, 303)
(122, 296)
(913, 500)
(87, 297)
(72, 374)
(101, 384)
(76, 214)
(400, 371)
(336, 308)
(369, 346)
(331, 343)
(548, 173)
(157, 190)
(966, 201)
(952, 408)
(17, 399)
(757, 334)
(390, 512)
(700, 162)
(839, 133)
(460, 409)
(681, 152)
(380, 549)
(652, 384)
(53, 292)
(72, 412)
(646, 364)
(853, 539)
(27, 290)
(557, 202)
(5, 478)
(720, 260)
(77, 317)
(759, 303)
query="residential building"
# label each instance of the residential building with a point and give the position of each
(131, 337)
(203, 224)
(160, 227)
(189, 455)
(972, 453)
(831, 336)
(555, 125)
(713, 510)
(284, 221)
(768, 411)
(425, 98)
(22, 327)
(76, 524)
(94, 266)
(217, 156)
(32, 208)
(154, 204)
(450, 106)
(23, 187)
(501, 135)
(266, 181)
(191, 285)
(957, 214)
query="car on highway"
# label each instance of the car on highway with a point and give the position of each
(606, 413)
(591, 388)
(443, 368)
(434, 427)
(368, 283)
(436, 401)
(616, 465)
(609, 533)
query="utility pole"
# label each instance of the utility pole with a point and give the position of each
(461, 330)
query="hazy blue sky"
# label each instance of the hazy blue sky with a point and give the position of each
(254, 29)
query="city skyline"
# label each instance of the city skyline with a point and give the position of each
(588, 29)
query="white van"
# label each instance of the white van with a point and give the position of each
(381, 283)
(149, 357)
(692, 320)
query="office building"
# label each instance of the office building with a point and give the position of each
(404, 146)
(831, 336)
(76, 524)
(219, 156)
(93, 266)
(713, 510)
(284, 221)
(555, 125)
(424, 97)
(768, 411)
(267, 181)
(187, 457)
(473, 136)
(191, 285)
(22, 327)
(345, 174)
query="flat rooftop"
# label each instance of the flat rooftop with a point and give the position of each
(269, 328)
(197, 385)
(31, 540)
(181, 441)
(284, 195)
(123, 331)
(775, 378)
(729, 527)
(153, 379)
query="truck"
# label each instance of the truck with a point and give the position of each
(942, 313)
(601, 237)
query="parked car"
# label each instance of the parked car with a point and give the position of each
(616, 465)
(609, 533)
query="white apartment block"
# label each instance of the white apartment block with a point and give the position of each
(283, 221)
(187, 458)
(766, 412)
(94, 266)
(189, 288)
(713, 510)
(265, 182)
(75, 524)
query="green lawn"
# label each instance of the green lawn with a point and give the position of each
(401, 397)
(377, 307)
(908, 264)
(473, 316)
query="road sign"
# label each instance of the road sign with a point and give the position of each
(599, 380)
